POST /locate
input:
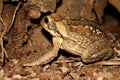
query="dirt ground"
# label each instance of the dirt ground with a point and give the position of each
(27, 41)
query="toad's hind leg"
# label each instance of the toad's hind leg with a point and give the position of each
(49, 56)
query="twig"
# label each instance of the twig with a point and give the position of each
(109, 63)
(13, 18)
(5, 31)
(4, 52)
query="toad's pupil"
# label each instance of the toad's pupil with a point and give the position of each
(46, 20)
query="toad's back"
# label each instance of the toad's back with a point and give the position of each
(86, 39)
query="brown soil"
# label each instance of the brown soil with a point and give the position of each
(27, 41)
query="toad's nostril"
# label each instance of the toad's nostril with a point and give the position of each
(46, 20)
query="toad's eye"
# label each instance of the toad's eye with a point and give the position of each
(46, 20)
(49, 24)
(52, 26)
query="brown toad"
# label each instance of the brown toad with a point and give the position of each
(82, 37)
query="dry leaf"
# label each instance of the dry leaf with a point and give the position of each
(1, 73)
(75, 76)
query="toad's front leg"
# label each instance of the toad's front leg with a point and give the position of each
(49, 56)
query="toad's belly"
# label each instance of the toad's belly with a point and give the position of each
(72, 47)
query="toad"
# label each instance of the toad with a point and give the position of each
(80, 37)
